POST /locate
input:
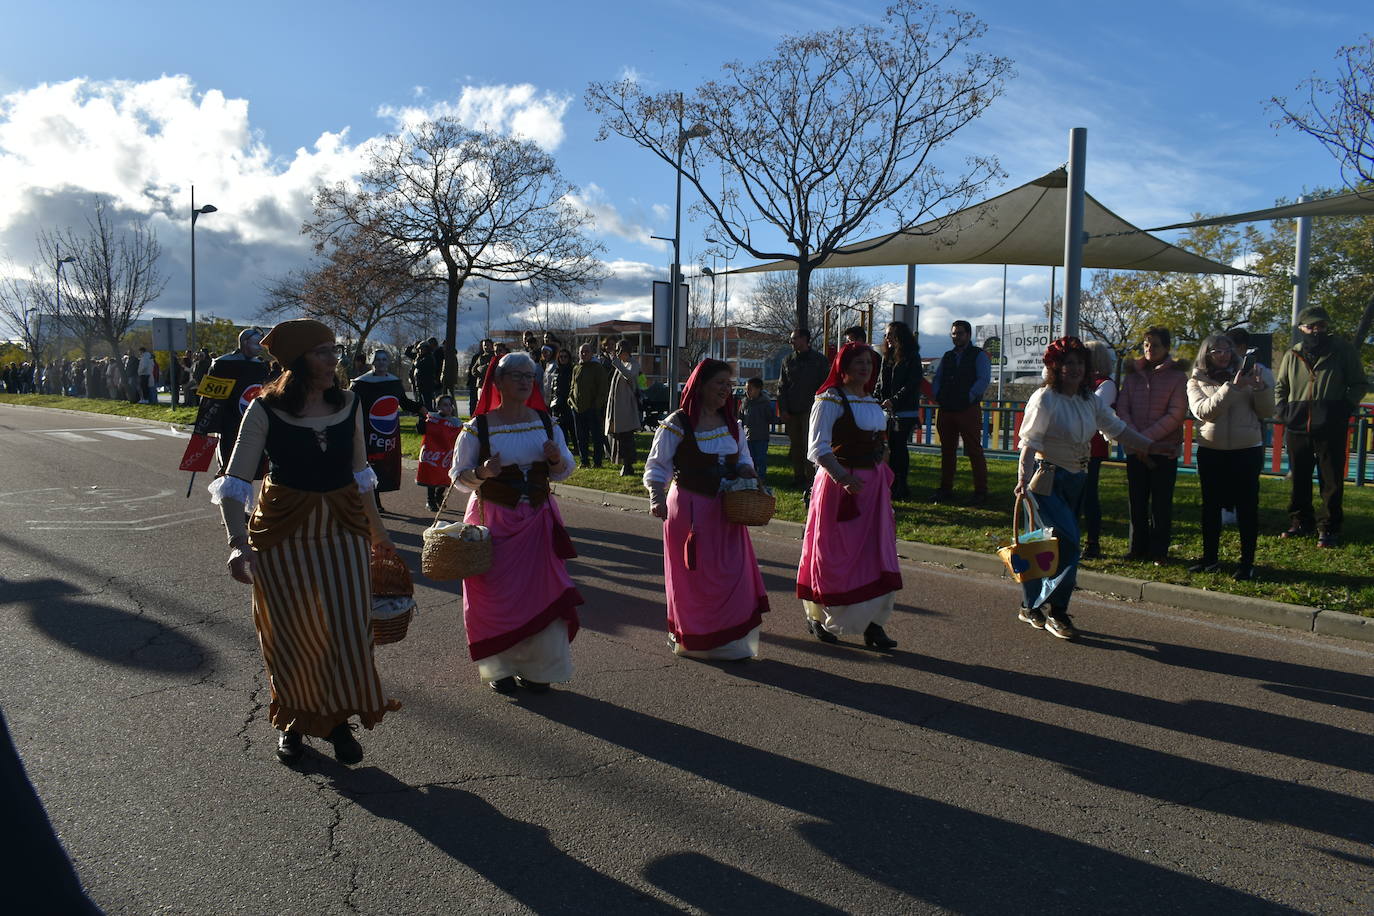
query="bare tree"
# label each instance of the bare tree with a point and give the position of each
(360, 285)
(827, 141)
(24, 300)
(1339, 112)
(114, 277)
(460, 203)
(773, 302)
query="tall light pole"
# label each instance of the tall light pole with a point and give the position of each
(57, 296)
(195, 214)
(675, 281)
(487, 296)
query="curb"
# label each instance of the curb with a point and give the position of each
(1276, 613)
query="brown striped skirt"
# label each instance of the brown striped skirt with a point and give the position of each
(312, 609)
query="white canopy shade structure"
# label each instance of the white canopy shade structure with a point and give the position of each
(1022, 226)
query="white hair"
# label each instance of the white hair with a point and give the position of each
(514, 362)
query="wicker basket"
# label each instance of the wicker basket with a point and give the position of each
(390, 577)
(391, 628)
(749, 507)
(455, 551)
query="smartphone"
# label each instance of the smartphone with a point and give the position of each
(1247, 365)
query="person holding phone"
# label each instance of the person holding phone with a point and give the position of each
(1230, 397)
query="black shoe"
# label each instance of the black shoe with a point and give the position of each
(347, 750)
(532, 686)
(290, 746)
(876, 637)
(820, 632)
(1091, 551)
(1297, 530)
(1246, 572)
(1135, 556)
(1327, 539)
(1204, 566)
(505, 685)
(1057, 623)
(1033, 616)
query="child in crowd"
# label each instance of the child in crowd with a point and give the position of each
(757, 415)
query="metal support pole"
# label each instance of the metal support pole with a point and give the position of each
(909, 311)
(1073, 228)
(1002, 339)
(1301, 251)
(675, 280)
(194, 214)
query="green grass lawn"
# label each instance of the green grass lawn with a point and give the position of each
(1293, 571)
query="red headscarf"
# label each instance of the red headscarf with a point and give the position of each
(1058, 349)
(691, 394)
(491, 397)
(841, 362)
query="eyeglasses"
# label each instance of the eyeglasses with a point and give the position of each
(519, 376)
(1221, 349)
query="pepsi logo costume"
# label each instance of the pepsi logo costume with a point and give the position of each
(383, 400)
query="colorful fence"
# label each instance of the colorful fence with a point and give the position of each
(1002, 424)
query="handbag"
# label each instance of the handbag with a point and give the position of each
(1033, 551)
(457, 550)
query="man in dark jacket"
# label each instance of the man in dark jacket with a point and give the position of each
(960, 380)
(427, 372)
(1318, 386)
(803, 371)
(591, 385)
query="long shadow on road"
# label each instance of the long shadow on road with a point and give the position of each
(515, 856)
(936, 852)
(1105, 761)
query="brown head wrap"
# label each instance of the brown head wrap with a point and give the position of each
(288, 341)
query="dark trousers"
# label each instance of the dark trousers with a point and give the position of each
(625, 452)
(899, 458)
(758, 451)
(1092, 503)
(1230, 478)
(564, 415)
(966, 424)
(427, 397)
(798, 432)
(1151, 493)
(1324, 451)
(589, 436)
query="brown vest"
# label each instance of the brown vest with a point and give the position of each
(854, 447)
(695, 470)
(507, 487)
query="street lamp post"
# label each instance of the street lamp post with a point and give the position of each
(696, 130)
(487, 296)
(195, 214)
(57, 302)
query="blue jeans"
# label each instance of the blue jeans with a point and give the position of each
(758, 450)
(1059, 510)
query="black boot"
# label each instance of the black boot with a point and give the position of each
(290, 746)
(347, 750)
(876, 637)
(820, 632)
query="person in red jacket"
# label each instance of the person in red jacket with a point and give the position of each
(1153, 402)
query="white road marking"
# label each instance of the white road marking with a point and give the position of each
(68, 436)
(130, 526)
(124, 434)
(84, 522)
(168, 431)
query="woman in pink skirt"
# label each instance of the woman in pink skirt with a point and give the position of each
(848, 579)
(520, 615)
(714, 587)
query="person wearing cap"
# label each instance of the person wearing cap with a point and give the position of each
(1057, 429)
(383, 432)
(848, 577)
(306, 549)
(520, 617)
(1317, 388)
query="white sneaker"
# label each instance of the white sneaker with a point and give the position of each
(1228, 516)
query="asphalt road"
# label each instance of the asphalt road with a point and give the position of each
(1166, 762)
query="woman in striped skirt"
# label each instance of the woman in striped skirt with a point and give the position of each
(305, 549)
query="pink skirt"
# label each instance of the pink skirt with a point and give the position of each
(714, 587)
(528, 586)
(855, 560)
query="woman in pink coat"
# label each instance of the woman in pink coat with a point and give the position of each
(1153, 402)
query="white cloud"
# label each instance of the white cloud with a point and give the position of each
(609, 220)
(520, 110)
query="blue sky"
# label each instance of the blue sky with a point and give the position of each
(255, 102)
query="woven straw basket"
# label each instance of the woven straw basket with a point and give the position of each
(455, 551)
(392, 589)
(749, 507)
